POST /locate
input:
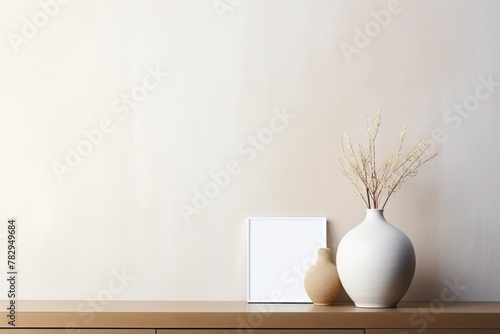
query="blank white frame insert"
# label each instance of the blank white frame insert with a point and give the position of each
(280, 251)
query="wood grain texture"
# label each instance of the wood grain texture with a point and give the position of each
(237, 315)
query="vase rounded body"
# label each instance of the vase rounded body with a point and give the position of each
(375, 262)
(321, 281)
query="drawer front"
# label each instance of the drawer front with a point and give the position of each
(77, 331)
(433, 331)
(261, 331)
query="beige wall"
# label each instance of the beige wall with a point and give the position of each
(112, 227)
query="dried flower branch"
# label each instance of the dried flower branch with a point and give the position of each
(375, 185)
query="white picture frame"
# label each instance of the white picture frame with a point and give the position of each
(280, 251)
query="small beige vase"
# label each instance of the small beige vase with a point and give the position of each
(321, 281)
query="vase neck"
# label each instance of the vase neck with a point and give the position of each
(377, 214)
(324, 254)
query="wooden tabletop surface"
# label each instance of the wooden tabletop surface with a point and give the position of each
(234, 314)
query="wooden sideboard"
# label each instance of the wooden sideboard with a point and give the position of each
(154, 317)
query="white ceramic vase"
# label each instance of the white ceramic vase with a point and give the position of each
(375, 262)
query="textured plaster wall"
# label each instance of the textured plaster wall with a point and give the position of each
(178, 91)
